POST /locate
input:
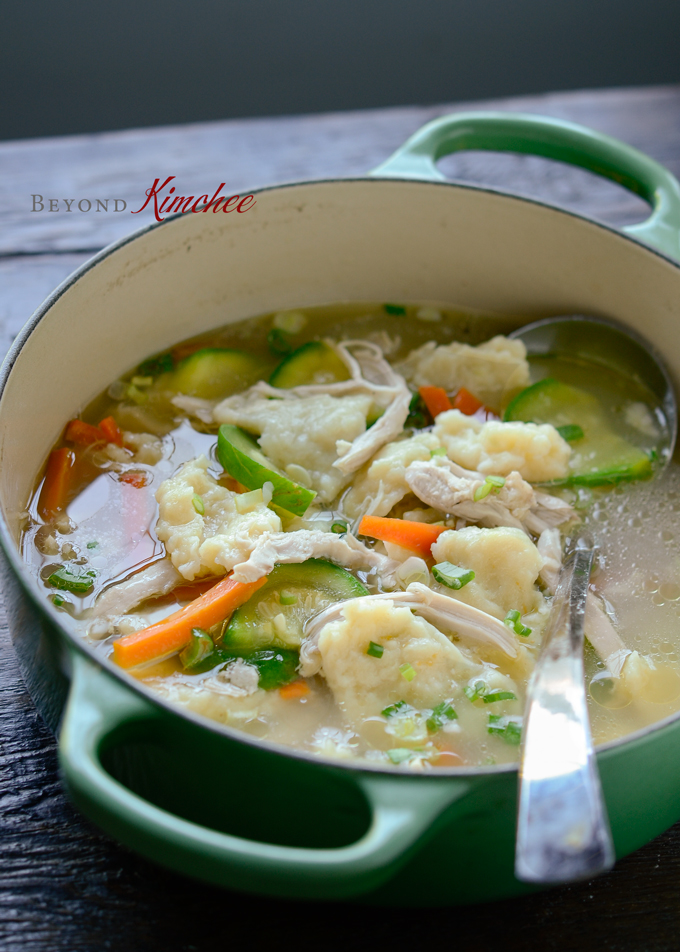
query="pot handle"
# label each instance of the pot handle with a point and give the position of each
(553, 139)
(401, 813)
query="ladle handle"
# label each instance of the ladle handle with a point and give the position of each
(552, 139)
(562, 826)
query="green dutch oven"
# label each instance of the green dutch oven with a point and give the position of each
(204, 799)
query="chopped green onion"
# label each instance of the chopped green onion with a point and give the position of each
(156, 365)
(440, 713)
(407, 671)
(279, 343)
(499, 696)
(198, 649)
(134, 393)
(73, 578)
(510, 731)
(92, 545)
(58, 600)
(399, 754)
(287, 598)
(396, 309)
(375, 650)
(197, 503)
(490, 483)
(142, 381)
(399, 707)
(339, 528)
(653, 455)
(440, 451)
(514, 620)
(453, 576)
(474, 692)
(292, 322)
(570, 432)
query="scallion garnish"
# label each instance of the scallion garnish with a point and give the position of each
(499, 696)
(509, 730)
(474, 691)
(339, 528)
(407, 671)
(399, 707)
(279, 343)
(73, 578)
(92, 545)
(58, 600)
(442, 712)
(490, 484)
(197, 503)
(375, 650)
(514, 620)
(287, 598)
(570, 432)
(397, 310)
(399, 754)
(440, 451)
(453, 576)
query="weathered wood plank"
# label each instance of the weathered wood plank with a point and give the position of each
(250, 153)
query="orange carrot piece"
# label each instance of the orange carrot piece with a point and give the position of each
(417, 536)
(78, 431)
(134, 477)
(56, 484)
(294, 690)
(466, 403)
(436, 400)
(169, 636)
(111, 431)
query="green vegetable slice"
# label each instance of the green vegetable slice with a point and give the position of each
(499, 696)
(275, 666)
(314, 362)
(453, 576)
(73, 578)
(514, 620)
(509, 730)
(600, 456)
(441, 713)
(375, 650)
(198, 649)
(265, 620)
(244, 461)
(213, 373)
(397, 310)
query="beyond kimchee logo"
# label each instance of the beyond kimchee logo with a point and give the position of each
(180, 203)
(162, 202)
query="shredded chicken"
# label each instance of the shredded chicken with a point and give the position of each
(293, 547)
(450, 488)
(442, 611)
(158, 579)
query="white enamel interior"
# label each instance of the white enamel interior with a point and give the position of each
(315, 244)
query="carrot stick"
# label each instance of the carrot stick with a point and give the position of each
(169, 636)
(417, 536)
(111, 431)
(436, 400)
(294, 690)
(57, 479)
(78, 431)
(466, 403)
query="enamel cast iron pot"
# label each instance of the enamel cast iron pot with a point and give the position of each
(202, 798)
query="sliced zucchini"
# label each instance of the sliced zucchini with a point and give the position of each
(243, 459)
(275, 666)
(600, 456)
(314, 362)
(268, 619)
(213, 373)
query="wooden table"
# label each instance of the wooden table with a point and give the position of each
(65, 886)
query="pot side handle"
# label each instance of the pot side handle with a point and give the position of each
(401, 813)
(552, 139)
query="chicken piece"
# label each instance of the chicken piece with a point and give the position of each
(301, 433)
(382, 484)
(293, 547)
(446, 613)
(151, 582)
(212, 542)
(506, 564)
(364, 687)
(489, 371)
(536, 451)
(449, 488)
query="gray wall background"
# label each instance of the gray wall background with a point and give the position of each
(72, 66)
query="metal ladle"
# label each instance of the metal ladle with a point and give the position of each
(563, 830)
